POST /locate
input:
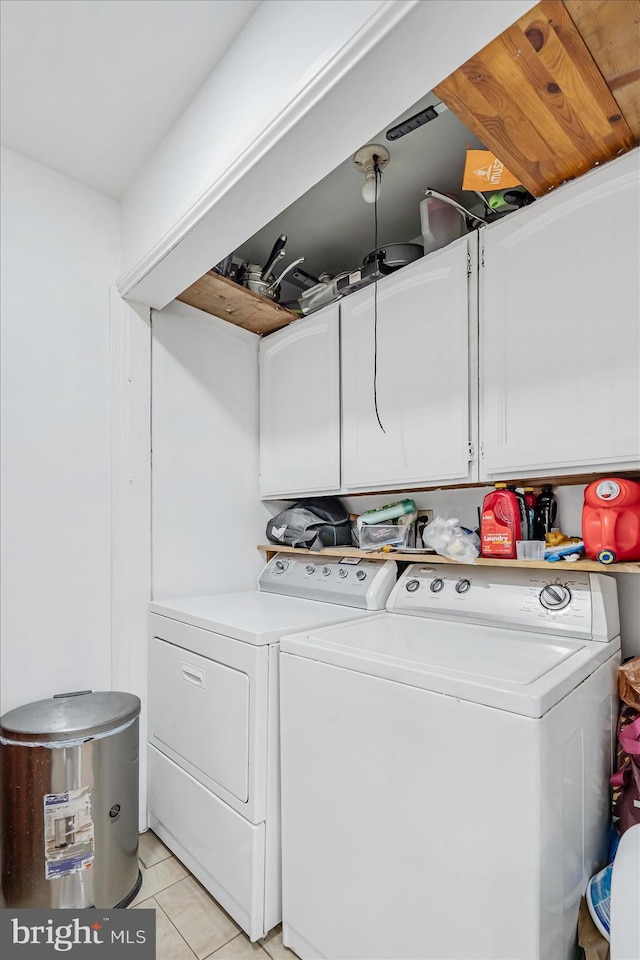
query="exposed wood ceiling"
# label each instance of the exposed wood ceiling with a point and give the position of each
(611, 31)
(536, 98)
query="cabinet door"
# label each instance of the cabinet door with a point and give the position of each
(300, 407)
(559, 331)
(419, 371)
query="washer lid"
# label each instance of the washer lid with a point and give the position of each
(524, 673)
(74, 716)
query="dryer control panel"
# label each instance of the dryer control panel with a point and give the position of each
(350, 581)
(562, 602)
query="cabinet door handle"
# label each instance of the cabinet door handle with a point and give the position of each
(193, 675)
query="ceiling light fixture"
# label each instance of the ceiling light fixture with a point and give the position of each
(371, 160)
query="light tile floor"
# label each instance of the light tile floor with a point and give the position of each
(189, 922)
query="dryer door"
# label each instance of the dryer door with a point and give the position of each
(209, 713)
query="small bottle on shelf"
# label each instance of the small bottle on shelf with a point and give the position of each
(530, 500)
(546, 512)
(525, 528)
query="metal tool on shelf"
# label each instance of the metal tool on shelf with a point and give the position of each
(324, 292)
(260, 279)
(277, 253)
(252, 280)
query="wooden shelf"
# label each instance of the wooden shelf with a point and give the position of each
(229, 301)
(589, 565)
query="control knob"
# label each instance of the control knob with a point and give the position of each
(412, 586)
(310, 569)
(280, 566)
(462, 586)
(326, 571)
(555, 596)
(342, 573)
(361, 574)
(436, 585)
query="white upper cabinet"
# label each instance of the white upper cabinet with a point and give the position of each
(415, 361)
(300, 407)
(560, 331)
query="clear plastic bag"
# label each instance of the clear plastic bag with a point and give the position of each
(375, 535)
(451, 540)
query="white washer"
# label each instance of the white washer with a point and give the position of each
(214, 760)
(445, 767)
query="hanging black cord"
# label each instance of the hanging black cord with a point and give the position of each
(378, 176)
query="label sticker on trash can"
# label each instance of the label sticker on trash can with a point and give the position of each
(68, 832)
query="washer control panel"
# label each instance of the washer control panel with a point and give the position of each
(559, 601)
(351, 581)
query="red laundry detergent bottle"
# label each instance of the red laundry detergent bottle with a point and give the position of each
(500, 525)
(611, 520)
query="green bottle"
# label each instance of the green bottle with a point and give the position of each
(510, 199)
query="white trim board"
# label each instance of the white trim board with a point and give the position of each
(131, 507)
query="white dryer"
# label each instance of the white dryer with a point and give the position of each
(445, 767)
(214, 752)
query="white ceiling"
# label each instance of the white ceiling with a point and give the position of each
(90, 87)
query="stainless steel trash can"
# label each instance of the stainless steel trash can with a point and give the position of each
(69, 812)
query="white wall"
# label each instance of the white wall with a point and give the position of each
(334, 74)
(60, 256)
(207, 516)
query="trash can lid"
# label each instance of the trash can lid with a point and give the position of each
(70, 716)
